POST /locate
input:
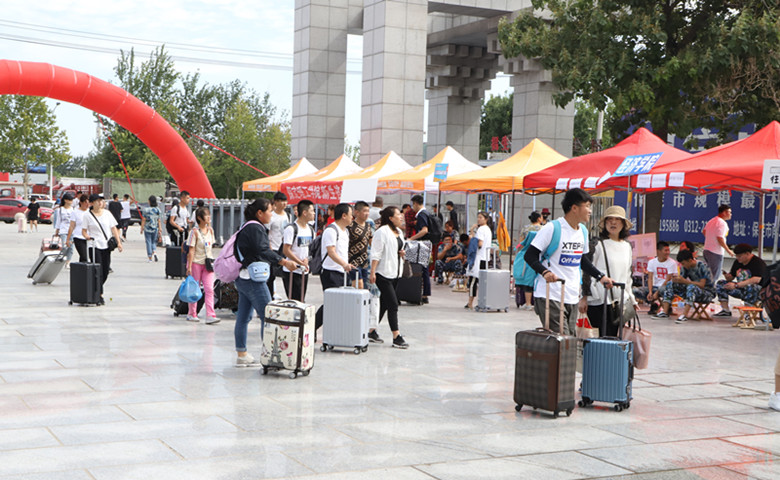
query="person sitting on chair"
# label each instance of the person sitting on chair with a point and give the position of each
(743, 280)
(694, 284)
(449, 259)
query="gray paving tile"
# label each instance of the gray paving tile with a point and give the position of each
(769, 419)
(769, 443)
(495, 469)
(397, 473)
(62, 475)
(709, 473)
(766, 470)
(21, 438)
(572, 463)
(683, 429)
(61, 416)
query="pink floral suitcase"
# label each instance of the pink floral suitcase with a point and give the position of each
(288, 337)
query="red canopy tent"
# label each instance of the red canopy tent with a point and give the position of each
(594, 171)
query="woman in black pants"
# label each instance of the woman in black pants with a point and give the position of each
(386, 262)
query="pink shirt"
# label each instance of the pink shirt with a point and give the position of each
(715, 228)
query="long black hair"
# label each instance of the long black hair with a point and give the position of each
(385, 216)
(259, 205)
(489, 219)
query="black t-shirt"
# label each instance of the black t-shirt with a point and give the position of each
(754, 268)
(33, 213)
(454, 219)
(116, 209)
(422, 221)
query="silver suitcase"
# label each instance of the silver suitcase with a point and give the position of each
(38, 261)
(49, 266)
(346, 319)
(493, 290)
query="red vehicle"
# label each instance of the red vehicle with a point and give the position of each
(10, 206)
(45, 211)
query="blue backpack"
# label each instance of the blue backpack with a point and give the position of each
(556, 239)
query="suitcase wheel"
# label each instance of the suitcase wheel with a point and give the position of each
(293, 375)
(323, 348)
(356, 351)
(265, 370)
(70, 302)
(305, 373)
(568, 411)
(35, 283)
(555, 413)
(618, 408)
(364, 349)
(506, 310)
(518, 407)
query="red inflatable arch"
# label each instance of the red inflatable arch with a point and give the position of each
(51, 81)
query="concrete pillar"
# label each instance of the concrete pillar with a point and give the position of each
(394, 47)
(319, 79)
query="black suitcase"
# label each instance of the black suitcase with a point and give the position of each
(174, 262)
(86, 286)
(410, 289)
(181, 308)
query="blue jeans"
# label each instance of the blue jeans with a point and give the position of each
(151, 242)
(251, 296)
(67, 251)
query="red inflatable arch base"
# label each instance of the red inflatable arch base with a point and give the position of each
(51, 81)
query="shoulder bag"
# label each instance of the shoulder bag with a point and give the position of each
(628, 307)
(112, 243)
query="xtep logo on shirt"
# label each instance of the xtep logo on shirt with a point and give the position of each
(571, 254)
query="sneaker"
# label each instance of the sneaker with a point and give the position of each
(373, 337)
(774, 401)
(723, 313)
(399, 342)
(246, 361)
(190, 318)
(149, 261)
(424, 299)
(211, 320)
(661, 315)
(681, 319)
(155, 257)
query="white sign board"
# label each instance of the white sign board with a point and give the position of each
(359, 189)
(770, 178)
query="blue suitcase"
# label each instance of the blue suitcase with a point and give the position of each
(608, 368)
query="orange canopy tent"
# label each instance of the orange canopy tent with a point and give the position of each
(273, 183)
(301, 188)
(508, 175)
(420, 178)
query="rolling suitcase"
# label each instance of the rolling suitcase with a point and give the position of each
(86, 286)
(493, 291)
(47, 267)
(608, 366)
(346, 318)
(545, 363)
(52, 244)
(410, 289)
(174, 262)
(181, 308)
(288, 337)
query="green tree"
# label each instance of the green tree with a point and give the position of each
(495, 121)
(585, 126)
(29, 135)
(668, 62)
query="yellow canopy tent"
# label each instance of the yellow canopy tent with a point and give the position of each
(302, 188)
(273, 183)
(420, 177)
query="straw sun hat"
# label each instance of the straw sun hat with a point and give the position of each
(616, 211)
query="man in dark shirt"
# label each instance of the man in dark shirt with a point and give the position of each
(115, 207)
(360, 235)
(453, 214)
(449, 259)
(743, 280)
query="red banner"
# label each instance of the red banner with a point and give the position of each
(317, 192)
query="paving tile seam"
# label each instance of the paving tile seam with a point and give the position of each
(415, 467)
(751, 447)
(757, 392)
(766, 412)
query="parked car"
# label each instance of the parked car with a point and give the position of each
(46, 211)
(135, 212)
(11, 206)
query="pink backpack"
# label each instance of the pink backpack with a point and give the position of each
(226, 265)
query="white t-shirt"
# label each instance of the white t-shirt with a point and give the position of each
(717, 227)
(620, 259)
(374, 213)
(661, 270)
(486, 236)
(564, 262)
(181, 215)
(276, 227)
(75, 204)
(93, 228)
(300, 244)
(78, 219)
(63, 220)
(125, 210)
(329, 239)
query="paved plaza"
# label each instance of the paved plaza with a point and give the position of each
(127, 391)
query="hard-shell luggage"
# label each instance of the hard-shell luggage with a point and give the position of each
(181, 308)
(545, 362)
(225, 295)
(347, 312)
(410, 289)
(174, 262)
(51, 244)
(47, 267)
(288, 337)
(493, 291)
(86, 286)
(608, 366)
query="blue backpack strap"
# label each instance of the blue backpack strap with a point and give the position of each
(584, 230)
(554, 241)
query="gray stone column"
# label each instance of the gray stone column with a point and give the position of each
(319, 80)
(394, 47)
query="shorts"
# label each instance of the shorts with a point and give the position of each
(361, 273)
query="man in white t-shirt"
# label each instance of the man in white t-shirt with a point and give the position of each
(566, 262)
(124, 217)
(335, 252)
(659, 271)
(296, 240)
(279, 220)
(376, 208)
(715, 233)
(179, 219)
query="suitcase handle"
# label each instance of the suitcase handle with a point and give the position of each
(303, 281)
(622, 287)
(547, 306)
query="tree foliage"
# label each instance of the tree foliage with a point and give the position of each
(495, 121)
(230, 115)
(677, 64)
(585, 126)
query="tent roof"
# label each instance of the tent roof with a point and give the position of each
(737, 165)
(586, 171)
(337, 168)
(389, 164)
(507, 175)
(421, 177)
(272, 183)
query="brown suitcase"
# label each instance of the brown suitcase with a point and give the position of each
(545, 362)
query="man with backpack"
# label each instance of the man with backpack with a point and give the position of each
(558, 252)
(179, 219)
(279, 220)
(427, 228)
(335, 252)
(295, 247)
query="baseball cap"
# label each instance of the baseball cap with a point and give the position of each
(95, 196)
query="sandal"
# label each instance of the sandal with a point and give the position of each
(466, 307)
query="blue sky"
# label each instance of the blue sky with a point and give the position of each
(222, 39)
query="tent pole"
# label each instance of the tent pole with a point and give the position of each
(644, 212)
(552, 214)
(512, 227)
(761, 226)
(777, 219)
(439, 204)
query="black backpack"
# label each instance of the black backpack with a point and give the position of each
(315, 251)
(435, 229)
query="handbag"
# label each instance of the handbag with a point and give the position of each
(584, 331)
(111, 242)
(209, 264)
(628, 307)
(641, 338)
(189, 291)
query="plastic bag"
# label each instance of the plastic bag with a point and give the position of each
(373, 318)
(189, 291)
